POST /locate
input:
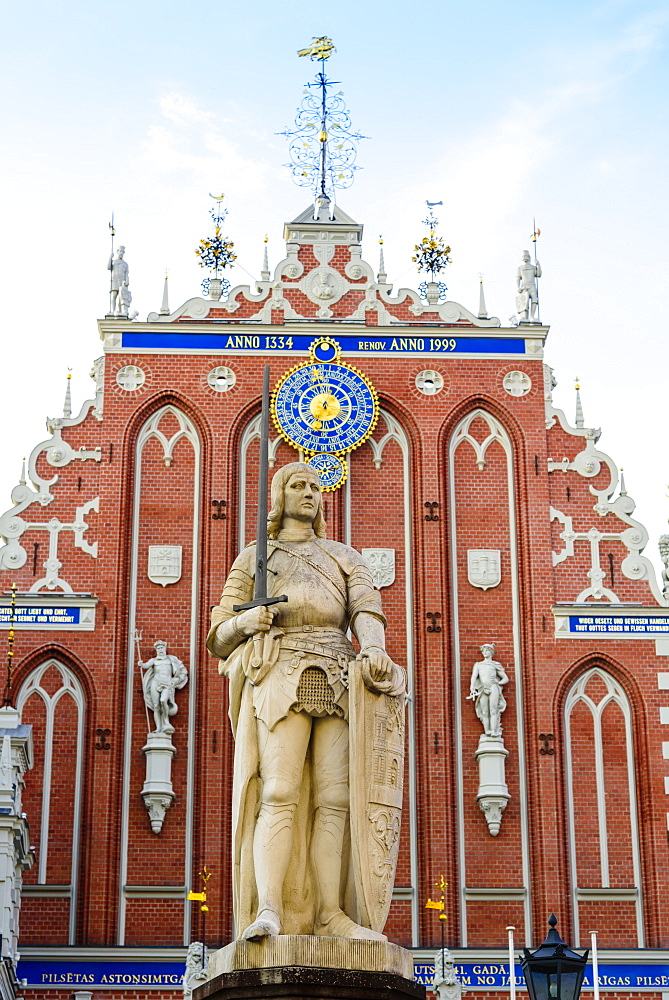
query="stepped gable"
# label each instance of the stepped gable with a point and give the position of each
(323, 277)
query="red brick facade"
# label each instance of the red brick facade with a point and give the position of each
(470, 467)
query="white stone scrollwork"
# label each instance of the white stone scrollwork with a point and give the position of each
(130, 377)
(164, 564)
(382, 565)
(97, 373)
(517, 383)
(13, 555)
(484, 568)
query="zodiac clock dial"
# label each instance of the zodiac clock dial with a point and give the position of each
(331, 468)
(324, 406)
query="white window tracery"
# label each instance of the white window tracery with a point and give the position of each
(70, 688)
(605, 800)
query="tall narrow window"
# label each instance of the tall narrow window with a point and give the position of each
(602, 811)
(52, 701)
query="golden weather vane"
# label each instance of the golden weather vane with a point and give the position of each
(440, 906)
(320, 48)
(201, 897)
(7, 699)
(323, 144)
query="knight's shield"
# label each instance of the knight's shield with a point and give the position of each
(376, 735)
(522, 301)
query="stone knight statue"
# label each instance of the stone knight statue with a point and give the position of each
(119, 293)
(527, 295)
(315, 798)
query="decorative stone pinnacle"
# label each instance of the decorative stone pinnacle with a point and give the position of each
(579, 407)
(483, 312)
(381, 277)
(67, 405)
(264, 274)
(165, 307)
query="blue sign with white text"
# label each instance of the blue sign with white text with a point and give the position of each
(40, 615)
(367, 343)
(473, 975)
(496, 975)
(651, 626)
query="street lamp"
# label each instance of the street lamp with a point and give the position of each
(553, 971)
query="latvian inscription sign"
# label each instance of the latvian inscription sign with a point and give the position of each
(496, 975)
(473, 975)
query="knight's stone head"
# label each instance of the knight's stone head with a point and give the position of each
(296, 493)
(526, 256)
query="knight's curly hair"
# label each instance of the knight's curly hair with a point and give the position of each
(279, 480)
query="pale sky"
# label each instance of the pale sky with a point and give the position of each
(505, 111)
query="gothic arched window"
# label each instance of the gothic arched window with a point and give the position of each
(604, 850)
(52, 700)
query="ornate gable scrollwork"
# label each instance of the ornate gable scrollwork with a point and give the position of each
(588, 463)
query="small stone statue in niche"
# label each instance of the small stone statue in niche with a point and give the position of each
(488, 678)
(527, 295)
(162, 676)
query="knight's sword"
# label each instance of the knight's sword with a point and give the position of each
(260, 598)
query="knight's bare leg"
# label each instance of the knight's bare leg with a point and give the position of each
(331, 796)
(282, 753)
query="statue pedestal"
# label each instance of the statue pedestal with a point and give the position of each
(295, 966)
(493, 793)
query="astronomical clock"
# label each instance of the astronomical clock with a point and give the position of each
(325, 409)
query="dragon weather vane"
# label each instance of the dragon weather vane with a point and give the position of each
(323, 146)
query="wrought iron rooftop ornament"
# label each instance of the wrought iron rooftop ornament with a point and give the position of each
(215, 252)
(432, 254)
(323, 146)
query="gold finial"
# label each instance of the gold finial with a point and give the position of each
(380, 239)
(69, 374)
(577, 382)
(217, 197)
(439, 904)
(7, 699)
(266, 238)
(320, 48)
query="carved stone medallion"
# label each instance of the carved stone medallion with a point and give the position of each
(484, 567)
(517, 383)
(382, 564)
(164, 564)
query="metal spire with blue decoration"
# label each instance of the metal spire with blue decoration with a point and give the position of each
(323, 146)
(432, 255)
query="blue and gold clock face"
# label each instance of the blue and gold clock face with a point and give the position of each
(325, 407)
(331, 468)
